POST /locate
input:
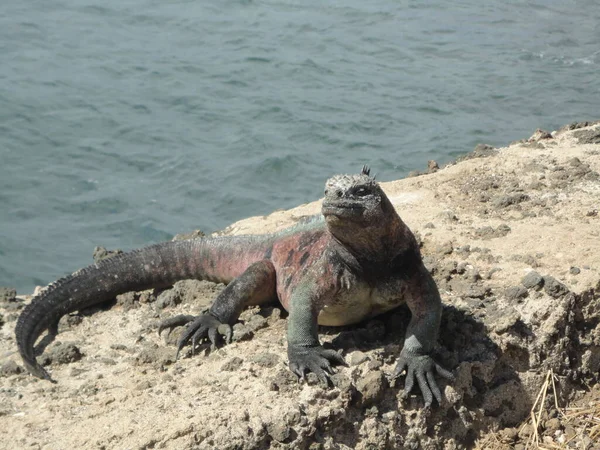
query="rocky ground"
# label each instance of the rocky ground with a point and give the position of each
(512, 237)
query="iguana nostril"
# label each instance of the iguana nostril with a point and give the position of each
(339, 193)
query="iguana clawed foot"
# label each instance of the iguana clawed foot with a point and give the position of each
(315, 359)
(199, 327)
(422, 368)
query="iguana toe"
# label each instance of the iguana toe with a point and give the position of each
(313, 359)
(174, 322)
(212, 337)
(420, 368)
(203, 326)
(335, 357)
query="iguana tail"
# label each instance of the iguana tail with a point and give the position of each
(157, 266)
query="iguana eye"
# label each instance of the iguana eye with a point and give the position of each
(361, 192)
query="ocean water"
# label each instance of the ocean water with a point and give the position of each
(125, 122)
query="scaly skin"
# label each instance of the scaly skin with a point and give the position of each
(356, 260)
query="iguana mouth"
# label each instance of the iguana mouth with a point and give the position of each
(342, 209)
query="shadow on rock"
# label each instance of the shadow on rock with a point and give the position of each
(487, 391)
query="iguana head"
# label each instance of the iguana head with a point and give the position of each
(357, 210)
(352, 197)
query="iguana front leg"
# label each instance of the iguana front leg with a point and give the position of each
(426, 309)
(253, 287)
(305, 353)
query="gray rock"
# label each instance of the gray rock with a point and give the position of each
(374, 364)
(533, 280)
(508, 200)
(7, 294)
(488, 232)
(128, 301)
(278, 431)
(257, 322)
(10, 368)
(284, 380)
(63, 354)
(194, 292)
(506, 321)
(554, 288)
(480, 151)
(342, 382)
(266, 359)
(588, 136)
(191, 235)
(515, 292)
(155, 356)
(371, 389)
(101, 253)
(539, 135)
(167, 298)
(241, 332)
(445, 248)
(576, 125)
(233, 364)
(476, 291)
(357, 358)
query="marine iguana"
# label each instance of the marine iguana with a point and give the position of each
(356, 260)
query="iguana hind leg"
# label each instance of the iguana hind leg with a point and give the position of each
(253, 287)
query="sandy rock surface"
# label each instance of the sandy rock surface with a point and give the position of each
(512, 237)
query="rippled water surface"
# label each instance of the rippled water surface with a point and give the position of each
(124, 122)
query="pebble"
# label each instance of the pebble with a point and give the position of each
(10, 368)
(357, 358)
(533, 280)
(233, 364)
(554, 288)
(7, 294)
(278, 431)
(515, 292)
(371, 387)
(266, 359)
(552, 424)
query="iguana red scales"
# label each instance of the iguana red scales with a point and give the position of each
(355, 261)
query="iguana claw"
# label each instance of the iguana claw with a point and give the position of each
(314, 359)
(422, 368)
(174, 322)
(204, 326)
